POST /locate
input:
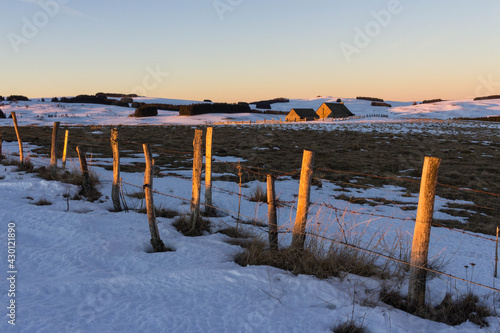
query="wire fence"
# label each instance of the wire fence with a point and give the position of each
(43, 161)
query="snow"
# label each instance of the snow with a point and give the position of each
(44, 113)
(82, 268)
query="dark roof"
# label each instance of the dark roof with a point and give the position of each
(306, 113)
(338, 109)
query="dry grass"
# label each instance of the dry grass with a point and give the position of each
(235, 233)
(258, 195)
(183, 225)
(450, 311)
(348, 327)
(42, 202)
(467, 161)
(161, 212)
(309, 261)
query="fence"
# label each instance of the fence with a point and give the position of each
(299, 232)
(281, 121)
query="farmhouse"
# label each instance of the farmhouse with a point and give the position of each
(301, 115)
(333, 110)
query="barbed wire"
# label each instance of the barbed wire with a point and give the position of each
(291, 203)
(262, 223)
(352, 246)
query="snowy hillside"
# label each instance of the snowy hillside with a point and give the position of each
(81, 268)
(89, 270)
(44, 113)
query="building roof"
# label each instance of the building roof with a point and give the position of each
(306, 113)
(338, 109)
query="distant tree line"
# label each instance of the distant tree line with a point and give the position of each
(196, 109)
(266, 104)
(116, 95)
(145, 111)
(90, 99)
(371, 99)
(381, 104)
(13, 98)
(487, 97)
(159, 106)
(428, 101)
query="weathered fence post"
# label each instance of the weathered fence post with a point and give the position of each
(421, 235)
(197, 169)
(53, 148)
(156, 241)
(115, 189)
(239, 193)
(271, 213)
(21, 153)
(65, 150)
(86, 185)
(299, 229)
(209, 210)
(1, 141)
(496, 256)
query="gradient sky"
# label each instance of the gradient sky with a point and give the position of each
(248, 50)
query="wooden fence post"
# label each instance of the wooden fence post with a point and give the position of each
(496, 256)
(208, 173)
(197, 169)
(1, 141)
(156, 241)
(299, 229)
(65, 150)
(86, 186)
(21, 153)
(271, 213)
(115, 189)
(239, 192)
(53, 147)
(421, 235)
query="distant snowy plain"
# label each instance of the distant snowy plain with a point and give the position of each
(82, 268)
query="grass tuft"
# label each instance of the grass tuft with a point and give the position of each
(42, 202)
(234, 233)
(258, 195)
(183, 225)
(161, 212)
(309, 261)
(450, 311)
(348, 327)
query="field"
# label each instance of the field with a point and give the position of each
(468, 156)
(95, 264)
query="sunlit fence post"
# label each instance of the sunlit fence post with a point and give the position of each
(421, 235)
(197, 169)
(16, 127)
(208, 173)
(156, 241)
(299, 229)
(115, 189)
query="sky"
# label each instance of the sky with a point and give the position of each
(248, 50)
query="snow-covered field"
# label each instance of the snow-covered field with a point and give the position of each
(81, 268)
(44, 113)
